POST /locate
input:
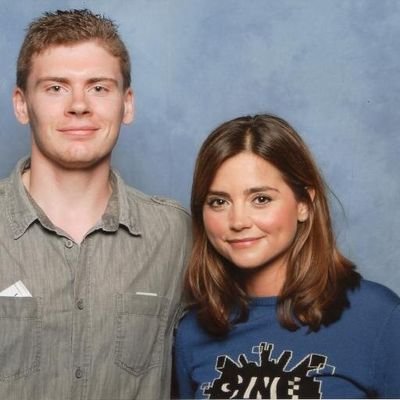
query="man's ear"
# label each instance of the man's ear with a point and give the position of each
(20, 106)
(129, 106)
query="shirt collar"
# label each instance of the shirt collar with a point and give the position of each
(118, 211)
(23, 211)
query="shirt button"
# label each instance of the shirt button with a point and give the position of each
(80, 304)
(69, 243)
(78, 373)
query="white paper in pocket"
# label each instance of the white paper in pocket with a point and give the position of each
(18, 289)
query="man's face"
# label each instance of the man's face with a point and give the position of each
(75, 103)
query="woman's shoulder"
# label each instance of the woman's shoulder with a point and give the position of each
(189, 327)
(190, 334)
(374, 295)
(188, 320)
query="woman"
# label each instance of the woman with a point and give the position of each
(277, 311)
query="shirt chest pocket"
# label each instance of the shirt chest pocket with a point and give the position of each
(140, 331)
(20, 337)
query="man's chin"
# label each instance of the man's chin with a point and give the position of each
(77, 164)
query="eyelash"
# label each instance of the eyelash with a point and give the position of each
(266, 199)
(99, 89)
(213, 202)
(58, 88)
(55, 88)
(259, 200)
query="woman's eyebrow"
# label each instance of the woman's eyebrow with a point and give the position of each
(217, 193)
(260, 189)
(247, 191)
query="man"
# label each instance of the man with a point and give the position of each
(95, 266)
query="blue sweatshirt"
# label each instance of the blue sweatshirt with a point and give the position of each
(358, 356)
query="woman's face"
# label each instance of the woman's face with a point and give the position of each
(250, 217)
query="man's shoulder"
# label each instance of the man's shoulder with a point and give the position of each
(163, 204)
(4, 180)
(12, 180)
(145, 200)
(4, 186)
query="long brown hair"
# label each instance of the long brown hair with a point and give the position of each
(318, 275)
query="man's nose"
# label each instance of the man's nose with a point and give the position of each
(79, 104)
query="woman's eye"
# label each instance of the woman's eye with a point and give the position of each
(216, 203)
(262, 199)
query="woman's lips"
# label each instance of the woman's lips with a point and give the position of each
(242, 243)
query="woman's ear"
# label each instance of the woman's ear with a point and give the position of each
(303, 208)
(311, 193)
(302, 212)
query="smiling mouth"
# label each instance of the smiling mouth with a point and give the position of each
(243, 243)
(78, 131)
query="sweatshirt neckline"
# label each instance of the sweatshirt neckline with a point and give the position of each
(263, 301)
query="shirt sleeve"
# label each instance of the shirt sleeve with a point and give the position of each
(183, 382)
(388, 366)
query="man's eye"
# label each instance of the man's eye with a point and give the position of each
(55, 88)
(99, 89)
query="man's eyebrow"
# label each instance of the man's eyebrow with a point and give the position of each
(103, 79)
(59, 79)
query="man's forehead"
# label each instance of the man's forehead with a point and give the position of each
(88, 60)
(55, 48)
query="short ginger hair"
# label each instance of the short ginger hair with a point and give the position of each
(70, 27)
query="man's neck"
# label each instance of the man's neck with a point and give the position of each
(73, 200)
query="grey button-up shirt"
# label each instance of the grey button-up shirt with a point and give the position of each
(100, 321)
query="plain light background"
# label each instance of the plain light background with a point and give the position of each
(331, 68)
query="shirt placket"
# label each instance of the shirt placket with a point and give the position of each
(76, 256)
